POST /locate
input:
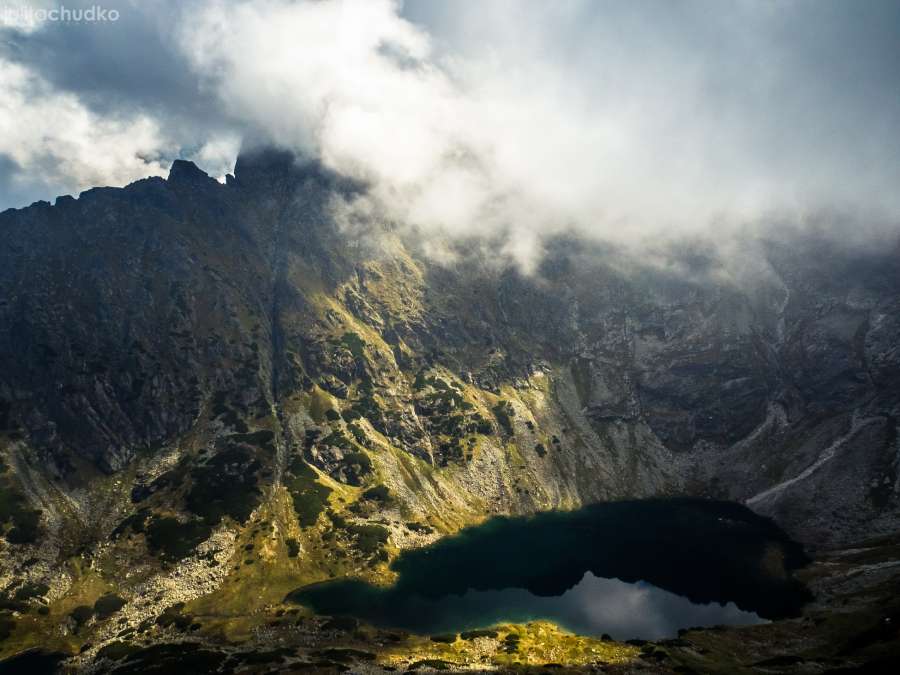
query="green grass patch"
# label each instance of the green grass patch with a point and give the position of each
(337, 439)
(20, 521)
(369, 538)
(309, 496)
(81, 615)
(358, 434)
(350, 415)
(180, 657)
(136, 522)
(173, 540)
(28, 591)
(107, 605)
(380, 494)
(448, 638)
(225, 485)
(7, 626)
(355, 344)
(483, 632)
(503, 412)
(116, 651)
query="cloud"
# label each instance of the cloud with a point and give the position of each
(52, 143)
(49, 138)
(642, 121)
(623, 121)
(88, 104)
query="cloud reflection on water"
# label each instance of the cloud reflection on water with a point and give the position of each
(593, 607)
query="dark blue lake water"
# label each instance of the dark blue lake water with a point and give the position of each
(637, 569)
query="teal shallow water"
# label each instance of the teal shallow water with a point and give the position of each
(637, 569)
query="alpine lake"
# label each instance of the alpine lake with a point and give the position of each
(627, 570)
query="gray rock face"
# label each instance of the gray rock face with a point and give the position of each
(129, 314)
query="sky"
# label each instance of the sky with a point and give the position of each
(621, 120)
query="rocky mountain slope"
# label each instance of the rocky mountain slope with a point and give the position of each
(212, 393)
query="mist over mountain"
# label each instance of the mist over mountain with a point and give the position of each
(628, 122)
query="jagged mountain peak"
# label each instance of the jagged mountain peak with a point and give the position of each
(184, 172)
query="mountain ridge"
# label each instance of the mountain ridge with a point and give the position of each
(180, 340)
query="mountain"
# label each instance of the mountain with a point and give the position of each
(213, 393)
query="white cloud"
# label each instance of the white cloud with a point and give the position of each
(619, 141)
(624, 121)
(55, 140)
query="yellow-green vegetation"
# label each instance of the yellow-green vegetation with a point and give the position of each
(339, 644)
(173, 540)
(226, 484)
(308, 495)
(88, 592)
(354, 343)
(414, 474)
(538, 643)
(351, 332)
(276, 553)
(396, 283)
(260, 573)
(18, 521)
(453, 413)
(503, 411)
(318, 401)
